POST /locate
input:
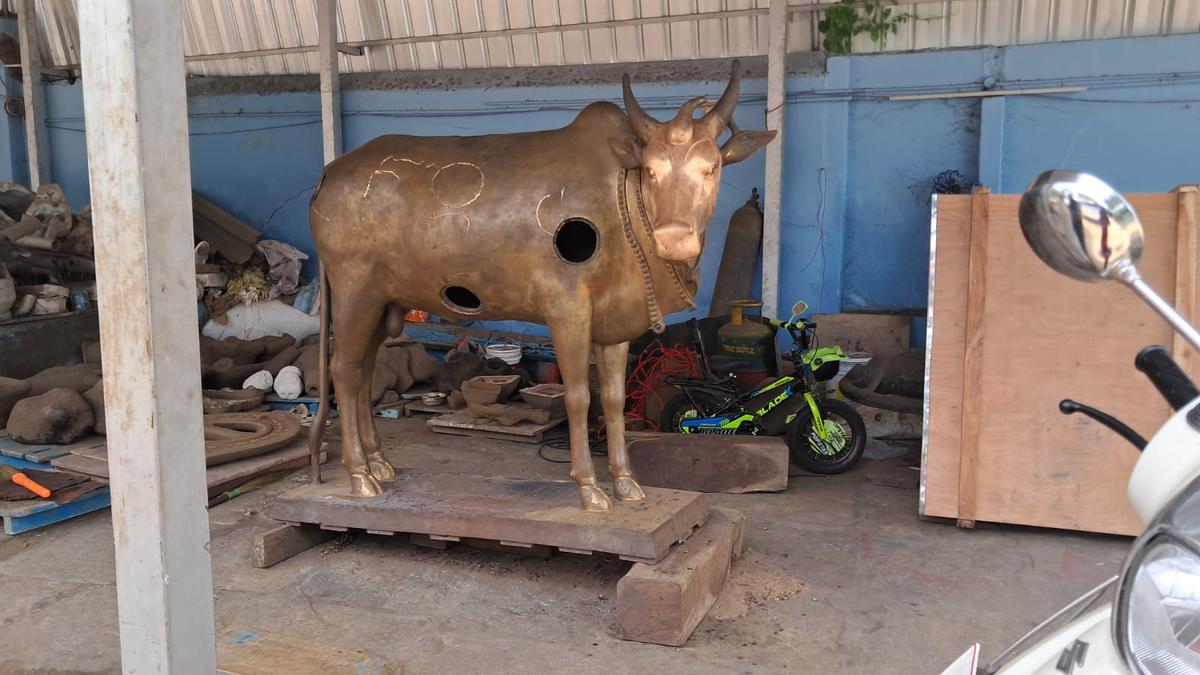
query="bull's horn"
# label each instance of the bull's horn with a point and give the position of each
(722, 113)
(642, 123)
(679, 130)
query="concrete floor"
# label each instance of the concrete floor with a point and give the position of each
(838, 576)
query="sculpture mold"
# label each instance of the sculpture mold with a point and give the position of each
(594, 229)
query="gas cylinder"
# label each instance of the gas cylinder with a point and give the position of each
(735, 276)
(747, 338)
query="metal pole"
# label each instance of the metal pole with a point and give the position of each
(135, 109)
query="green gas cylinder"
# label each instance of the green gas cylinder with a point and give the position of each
(747, 338)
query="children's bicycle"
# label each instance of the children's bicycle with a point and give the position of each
(825, 436)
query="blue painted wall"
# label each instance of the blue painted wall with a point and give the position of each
(858, 167)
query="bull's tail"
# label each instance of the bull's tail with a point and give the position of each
(317, 432)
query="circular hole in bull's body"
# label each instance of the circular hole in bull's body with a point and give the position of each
(461, 300)
(576, 241)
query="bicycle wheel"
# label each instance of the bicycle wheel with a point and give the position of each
(846, 438)
(682, 407)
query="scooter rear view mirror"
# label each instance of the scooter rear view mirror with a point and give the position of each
(1083, 228)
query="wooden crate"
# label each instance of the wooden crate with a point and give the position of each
(1009, 338)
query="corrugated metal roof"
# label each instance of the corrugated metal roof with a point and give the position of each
(445, 33)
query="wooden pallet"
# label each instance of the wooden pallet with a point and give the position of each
(31, 514)
(659, 602)
(39, 456)
(461, 424)
(506, 510)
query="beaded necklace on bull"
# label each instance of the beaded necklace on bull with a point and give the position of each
(656, 316)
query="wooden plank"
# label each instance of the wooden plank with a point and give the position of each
(1033, 465)
(1187, 270)
(501, 509)
(949, 245)
(461, 424)
(427, 541)
(94, 462)
(32, 94)
(44, 455)
(730, 464)
(248, 651)
(58, 513)
(281, 542)
(973, 355)
(663, 603)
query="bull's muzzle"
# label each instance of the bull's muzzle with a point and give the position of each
(676, 242)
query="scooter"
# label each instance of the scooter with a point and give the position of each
(1147, 619)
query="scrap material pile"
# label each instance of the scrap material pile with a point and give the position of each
(45, 253)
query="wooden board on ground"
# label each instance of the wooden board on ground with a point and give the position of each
(247, 651)
(417, 406)
(94, 462)
(284, 541)
(461, 424)
(520, 512)
(664, 603)
(731, 464)
(1038, 338)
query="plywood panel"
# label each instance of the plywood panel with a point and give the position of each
(1047, 338)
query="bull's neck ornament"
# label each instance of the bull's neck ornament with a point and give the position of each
(656, 315)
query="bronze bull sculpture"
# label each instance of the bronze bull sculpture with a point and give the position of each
(594, 229)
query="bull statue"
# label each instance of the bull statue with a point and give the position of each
(594, 229)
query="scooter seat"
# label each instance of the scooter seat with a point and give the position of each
(728, 364)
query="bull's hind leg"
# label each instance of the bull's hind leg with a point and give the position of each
(572, 342)
(377, 464)
(611, 361)
(356, 321)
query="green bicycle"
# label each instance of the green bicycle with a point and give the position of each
(825, 436)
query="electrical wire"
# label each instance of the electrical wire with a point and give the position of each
(819, 248)
(654, 365)
(595, 445)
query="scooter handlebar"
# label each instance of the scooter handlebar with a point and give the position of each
(1166, 376)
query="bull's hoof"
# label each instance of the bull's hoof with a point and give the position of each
(364, 485)
(380, 468)
(594, 498)
(627, 489)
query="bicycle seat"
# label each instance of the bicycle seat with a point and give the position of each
(728, 364)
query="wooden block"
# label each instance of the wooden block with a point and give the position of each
(662, 604)
(525, 550)
(284, 541)
(732, 464)
(244, 651)
(501, 509)
(875, 334)
(461, 424)
(427, 541)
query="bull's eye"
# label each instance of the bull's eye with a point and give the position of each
(712, 170)
(650, 174)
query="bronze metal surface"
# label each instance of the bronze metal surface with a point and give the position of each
(402, 219)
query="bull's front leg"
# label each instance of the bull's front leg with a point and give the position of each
(611, 361)
(572, 336)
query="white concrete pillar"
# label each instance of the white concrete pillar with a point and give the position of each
(777, 20)
(31, 92)
(135, 111)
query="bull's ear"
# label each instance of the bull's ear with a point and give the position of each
(628, 151)
(743, 144)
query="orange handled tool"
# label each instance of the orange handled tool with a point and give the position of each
(24, 481)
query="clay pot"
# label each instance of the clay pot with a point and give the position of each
(58, 416)
(489, 389)
(549, 397)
